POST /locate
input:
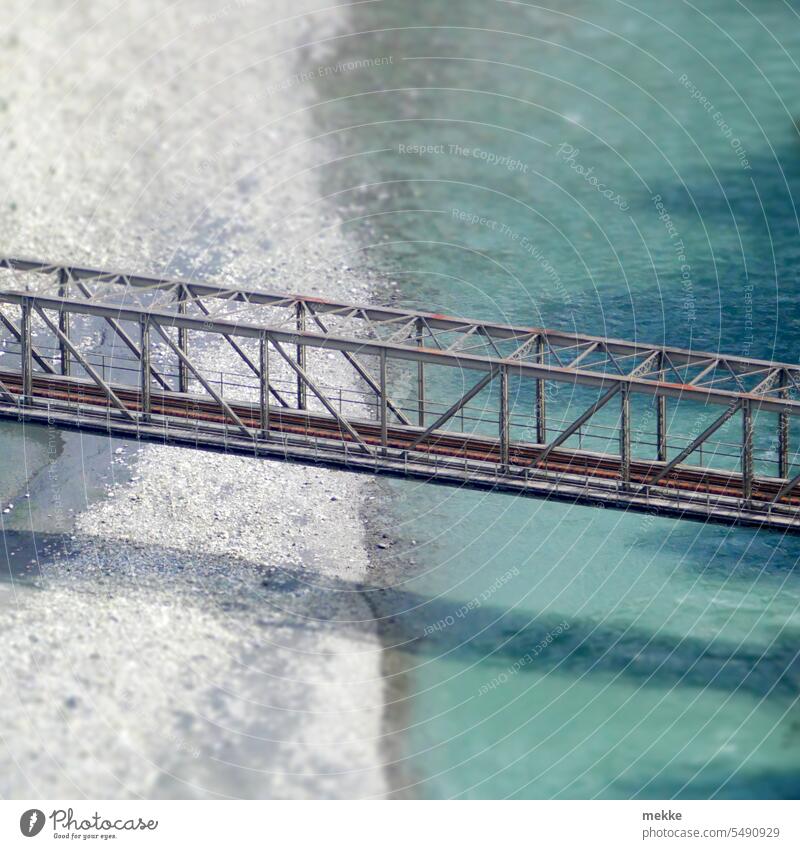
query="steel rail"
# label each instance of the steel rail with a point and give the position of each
(609, 367)
(462, 459)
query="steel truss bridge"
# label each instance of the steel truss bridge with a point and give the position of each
(153, 376)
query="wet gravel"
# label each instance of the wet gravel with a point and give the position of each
(198, 630)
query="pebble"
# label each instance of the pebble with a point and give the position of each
(158, 661)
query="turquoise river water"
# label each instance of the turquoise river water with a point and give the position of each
(626, 169)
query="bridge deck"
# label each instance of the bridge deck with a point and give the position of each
(174, 398)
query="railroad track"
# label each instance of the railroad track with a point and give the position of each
(292, 422)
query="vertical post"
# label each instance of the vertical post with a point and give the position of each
(384, 404)
(747, 450)
(263, 348)
(504, 425)
(144, 366)
(661, 427)
(301, 356)
(183, 343)
(63, 321)
(420, 380)
(25, 352)
(625, 435)
(541, 400)
(783, 432)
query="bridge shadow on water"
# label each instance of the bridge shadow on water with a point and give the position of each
(426, 627)
(418, 629)
(432, 627)
(500, 638)
(661, 668)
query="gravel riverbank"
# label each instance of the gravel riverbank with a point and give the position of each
(198, 631)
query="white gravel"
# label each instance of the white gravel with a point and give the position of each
(205, 637)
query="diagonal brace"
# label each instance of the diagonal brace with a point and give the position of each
(786, 489)
(120, 331)
(362, 372)
(647, 366)
(448, 414)
(582, 356)
(243, 354)
(712, 366)
(696, 443)
(768, 382)
(5, 392)
(301, 374)
(578, 423)
(112, 396)
(12, 328)
(203, 382)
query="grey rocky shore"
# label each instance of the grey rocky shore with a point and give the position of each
(197, 631)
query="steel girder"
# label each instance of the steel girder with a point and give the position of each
(611, 366)
(690, 370)
(649, 383)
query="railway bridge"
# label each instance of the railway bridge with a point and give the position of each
(379, 389)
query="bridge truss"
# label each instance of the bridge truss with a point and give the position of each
(152, 376)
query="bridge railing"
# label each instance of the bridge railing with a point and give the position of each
(280, 343)
(117, 364)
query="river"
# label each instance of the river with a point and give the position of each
(622, 169)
